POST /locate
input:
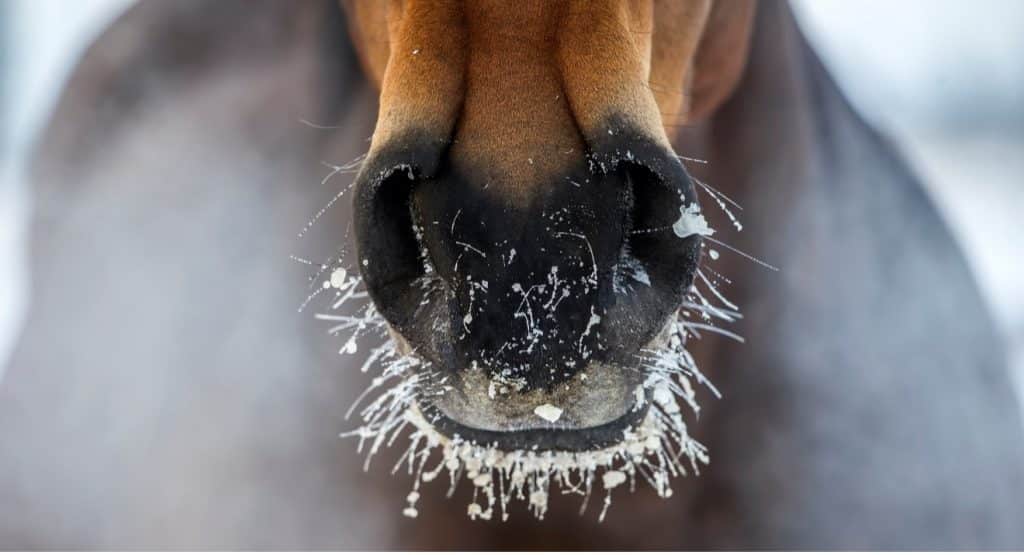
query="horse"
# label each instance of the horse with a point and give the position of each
(166, 392)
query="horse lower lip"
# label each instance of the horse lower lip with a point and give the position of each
(492, 408)
(542, 439)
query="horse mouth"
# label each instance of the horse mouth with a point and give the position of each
(606, 428)
(591, 411)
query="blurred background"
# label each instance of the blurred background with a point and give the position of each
(944, 78)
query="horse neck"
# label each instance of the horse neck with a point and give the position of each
(788, 147)
(831, 203)
(775, 131)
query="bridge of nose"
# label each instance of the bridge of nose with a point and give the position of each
(516, 130)
(517, 88)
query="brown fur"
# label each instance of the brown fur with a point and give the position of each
(515, 81)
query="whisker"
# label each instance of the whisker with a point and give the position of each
(334, 171)
(688, 159)
(318, 126)
(716, 329)
(714, 191)
(741, 253)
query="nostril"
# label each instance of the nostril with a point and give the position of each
(386, 243)
(418, 229)
(652, 252)
(389, 252)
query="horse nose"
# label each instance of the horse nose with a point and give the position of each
(530, 277)
(534, 283)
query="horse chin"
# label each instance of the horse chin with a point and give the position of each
(595, 409)
(607, 426)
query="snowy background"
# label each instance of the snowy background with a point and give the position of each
(943, 77)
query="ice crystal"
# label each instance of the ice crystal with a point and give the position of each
(654, 451)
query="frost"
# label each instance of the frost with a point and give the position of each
(654, 451)
(351, 167)
(503, 385)
(691, 222)
(338, 278)
(721, 201)
(548, 412)
(628, 267)
(594, 320)
(613, 479)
